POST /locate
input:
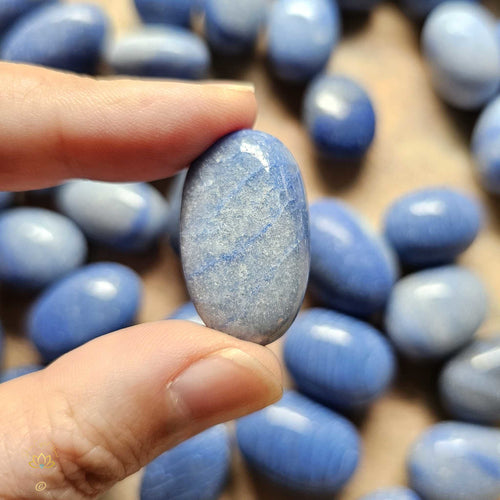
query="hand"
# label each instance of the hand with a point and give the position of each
(114, 404)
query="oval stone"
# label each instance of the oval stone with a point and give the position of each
(300, 444)
(460, 45)
(470, 383)
(159, 51)
(95, 300)
(245, 236)
(339, 116)
(12, 10)
(352, 269)
(136, 213)
(420, 8)
(177, 12)
(6, 199)
(432, 313)
(187, 312)
(392, 494)
(338, 360)
(37, 247)
(486, 146)
(18, 371)
(432, 226)
(456, 461)
(62, 36)
(301, 36)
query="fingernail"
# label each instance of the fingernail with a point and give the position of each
(233, 85)
(223, 386)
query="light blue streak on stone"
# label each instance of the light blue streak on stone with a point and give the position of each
(18, 371)
(176, 12)
(187, 312)
(397, 493)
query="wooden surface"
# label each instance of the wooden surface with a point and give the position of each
(419, 142)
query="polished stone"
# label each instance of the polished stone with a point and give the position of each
(432, 313)
(13, 10)
(177, 12)
(421, 8)
(92, 301)
(38, 247)
(195, 469)
(339, 116)
(245, 236)
(338, 360)
(301, 37)
(6, 199)
(432, 226)
(358, 5)
(174, 199)
(159, 51)
(136, 213)
(352, 269)
(470, 383)
(461, 48)
(187, 312)
(456, 461)
(392, 494)
(62, 36)
(18, 371)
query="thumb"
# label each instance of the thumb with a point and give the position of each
(111, 406)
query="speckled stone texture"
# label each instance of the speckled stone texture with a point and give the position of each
(470, 383)
(12, 10)
(432, 226)
(352, 269)
(420, 8)
(358, 5)
(38, 247)
(187, 312)
(92, 301)
(392, 494)
(177, 12)
(460, 45)
(159, 51)
(18, 371)
(456, 461)
(486, 145)
(300, 445)
(301, 37)
(245, 236)
(433, 313)
(61, 36)
(196, 469)
(338, 360)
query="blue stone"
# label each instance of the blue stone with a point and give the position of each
(62, 36)
(338, 360)
(432, 313)
(300, 445)
(6, 199)
(352, 269)
(358, 5)
(195, 469)
(301, 36)
(136, 213)
(245, 236)
(232, 26)
(174, 198)
(420, 8)
(392, 494)
(38, 247)
(432, 226)
(159, 51)
(461, 47)
(12, 10)
(486, 147)
(18, 371)
(470, 383)
(92, 301)
(187, 312)
(339, 116)
(455, 461)
(177, 12)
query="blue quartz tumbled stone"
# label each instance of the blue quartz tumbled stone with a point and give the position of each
(392, 494)
(177, 12)
(37, 247)
(159, 51)
(301, 36)
(432, 226)
(486, 146)
(358, 5)
(339, 116)
(432, 313)
(456, 461)
(95, 300)
(300, 444)
(12, 10)
(187, 312)
(352, 269)
(6, 198)
(461, 47)
(338, 360)
(135, 218)
(420, 8)
(470, 383)
(193, 470)
(62, 36)
(245, 236)
(18, 371)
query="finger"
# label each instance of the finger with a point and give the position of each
(109, 407)
(57, 126)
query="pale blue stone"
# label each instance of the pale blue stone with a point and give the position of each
(187, 312)
(12, 10)
(6, 199)
(470, 383)
(358, 5)
(177, 12)
(301, 37)
(392, 494)
(432, 313)
(420, 8)
(135, 213)
(461, 47)
(159, 51)
(18, 371)
(486, 147)
(174, 199)
(455, 461)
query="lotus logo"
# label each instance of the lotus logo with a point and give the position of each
(42, 461)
